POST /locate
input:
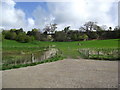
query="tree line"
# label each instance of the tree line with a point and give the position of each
(89, 31)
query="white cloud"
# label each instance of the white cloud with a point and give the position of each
(14, 18)
(42, 17)
(31, 22)
(77, 12)
(74, 13)
(9, 3)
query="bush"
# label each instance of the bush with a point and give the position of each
(10, 35)
(85, 37)
(60, 36)
(21, 37)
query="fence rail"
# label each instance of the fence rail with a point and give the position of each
(100, 53)
(30, 58)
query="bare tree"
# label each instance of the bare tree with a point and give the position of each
(110, 28)
(50, 28)
(53, 27)
(104, 27)
(117, 28)
(89, 26)
(47, 29)
(66, 29)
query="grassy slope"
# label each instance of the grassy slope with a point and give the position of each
(69, 49)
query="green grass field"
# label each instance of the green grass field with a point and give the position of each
(68, 49)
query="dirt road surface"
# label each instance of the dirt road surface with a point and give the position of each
(68, 73)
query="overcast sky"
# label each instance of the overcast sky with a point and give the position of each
(30, 15)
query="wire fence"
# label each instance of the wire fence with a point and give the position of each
(100, 53)
(24, 58)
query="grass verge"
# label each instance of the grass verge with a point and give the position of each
(53, 59)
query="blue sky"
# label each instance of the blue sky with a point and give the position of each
(29, 7)
(30, 15)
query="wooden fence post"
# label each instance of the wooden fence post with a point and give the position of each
(45, 56)
(15, 62)
(98, 53)
(88, 53)
(32, 58)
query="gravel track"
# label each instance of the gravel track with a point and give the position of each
(68, 73)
